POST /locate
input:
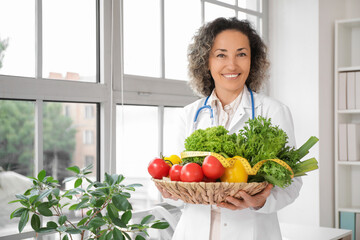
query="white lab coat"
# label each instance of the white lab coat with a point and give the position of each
(247, 224)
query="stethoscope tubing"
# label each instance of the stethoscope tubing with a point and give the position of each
(206, 106)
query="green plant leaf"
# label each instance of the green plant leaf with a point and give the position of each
(35, 222)
(96, 222)
(109, 179)
(89, 212)
(160, 225)
(51, 225)
(97, 193)
(33, 198)
(53, 202)
(109, 235)
(43, 209)
(73, 207)
(84, 228)
(61, 228)
(62, 219)
(99, 202)
(112, 211)
(78, 182)
(73, 231)
(18, 212)
(74, 169)
(139, 237)
(65, 237)
(14, 201)
(45, 230)
(121, 203)
(41, 175)
(68, 179)
(134, 185)
(125, 194)
(88, 167)
(23, 220)
(127, 235)
(118, 222)
(146, 219)
(21, 196)
(44, 194)
(82, 221)
(56, 192)
(126, 217)
(117, 235)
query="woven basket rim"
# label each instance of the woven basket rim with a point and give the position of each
(208, 192)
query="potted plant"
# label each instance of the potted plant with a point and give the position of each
(106, 212)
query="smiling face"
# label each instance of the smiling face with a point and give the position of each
(229, 63)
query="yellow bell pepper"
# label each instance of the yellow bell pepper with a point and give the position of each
(236, 173)
(174, 159)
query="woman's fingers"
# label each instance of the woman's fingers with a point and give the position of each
(246, 200)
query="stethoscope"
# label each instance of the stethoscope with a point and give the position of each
(206, 106)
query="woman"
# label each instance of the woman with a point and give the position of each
(226, 60)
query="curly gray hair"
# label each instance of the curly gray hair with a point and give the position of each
(201, 80)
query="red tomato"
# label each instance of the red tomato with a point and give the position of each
(212, 167)
(206, 179)
(191, 172)
(158, 168)
(175, 171)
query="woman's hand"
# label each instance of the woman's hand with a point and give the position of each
(246, 200)
(165, 194)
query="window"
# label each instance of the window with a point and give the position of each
(88, 137)
(89, 111)
(69, 40)
(89, 160)
(98, 82)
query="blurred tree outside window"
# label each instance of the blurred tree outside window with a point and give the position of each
(3, 45)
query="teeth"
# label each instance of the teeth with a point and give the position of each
(231, 75)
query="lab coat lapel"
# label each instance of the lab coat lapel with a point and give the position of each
(243, 112)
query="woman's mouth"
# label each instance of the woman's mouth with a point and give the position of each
(231, 76)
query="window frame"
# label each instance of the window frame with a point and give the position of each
(113, 87)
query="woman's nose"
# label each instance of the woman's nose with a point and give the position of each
(231, 63)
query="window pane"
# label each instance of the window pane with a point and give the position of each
(17, 31)
(142, 37)
(69, 40)
(16, 157)
(178, 34)
(213, 11)
(254, 5)
(171, 127)
(232, 2)
(137, 145)
(70, 139)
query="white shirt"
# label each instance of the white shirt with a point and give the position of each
(225, 114)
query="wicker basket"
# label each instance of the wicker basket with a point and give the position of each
(208, 192)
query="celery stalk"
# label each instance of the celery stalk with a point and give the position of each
(304, 149)
(306, 166)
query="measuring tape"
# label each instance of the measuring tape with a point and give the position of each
(229, 162)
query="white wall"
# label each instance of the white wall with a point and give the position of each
(293, 47)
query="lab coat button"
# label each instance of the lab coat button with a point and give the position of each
(225, 224)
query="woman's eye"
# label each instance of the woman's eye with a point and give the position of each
(242, 54)
(220, 55)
